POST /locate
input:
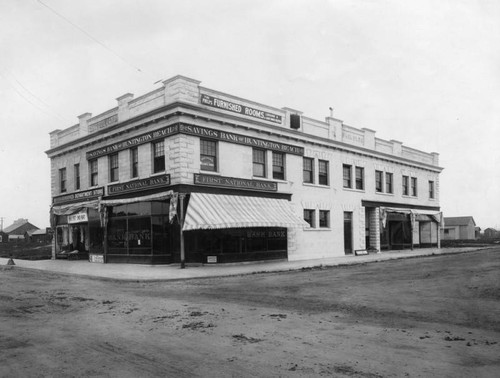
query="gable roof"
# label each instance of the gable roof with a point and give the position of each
(20, 226)
(458, 221)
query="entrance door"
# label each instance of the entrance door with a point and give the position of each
(348, 232)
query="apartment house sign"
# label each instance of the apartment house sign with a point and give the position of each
(79, 196)
(218, 103)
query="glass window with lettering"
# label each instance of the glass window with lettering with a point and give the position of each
(323, 172)
(259, 163)
(308, 170)
(208, 155)
(62, 180)
(360, 178)
(134, 162)
(309, 217)
(113, 167)
(347, 176)
(93, 172)
(278, 166)
(158, 157)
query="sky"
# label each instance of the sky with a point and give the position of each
(424, 72)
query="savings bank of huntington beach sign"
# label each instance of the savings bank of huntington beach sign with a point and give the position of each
(215, 102)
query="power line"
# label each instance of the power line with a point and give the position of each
(90, 36)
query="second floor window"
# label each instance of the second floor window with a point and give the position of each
(324, 218)
(431, 190)
(323, 172)
(360, 178)
(259, 163)
(113, 167)
(309, 216)
(278, 166)
(134, 162)
(308, 169)
(388, 182)
(208, 155)
(76, 169)
(406, 186)
(93, 172)
(158, 157)
(347, 176)
(378, 181)
(62, 180)
(414, 186)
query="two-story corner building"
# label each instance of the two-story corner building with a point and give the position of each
(190, 174)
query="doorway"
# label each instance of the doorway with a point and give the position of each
(348, 232)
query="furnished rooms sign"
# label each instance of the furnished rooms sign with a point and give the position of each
(236, 183)
(218, 103)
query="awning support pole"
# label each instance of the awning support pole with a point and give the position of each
(181, 223)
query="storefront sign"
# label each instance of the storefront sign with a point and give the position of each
(240, 139)
(183, 128)
(79, 196)
(135, 141)
(218, 103)
(147, 183)
(96, 259)
(231, 182)
(78, 218)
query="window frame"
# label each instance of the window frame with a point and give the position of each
(406, 185)
(414, 187)
(134, 162)
(63, 180)
(277, 174)
(432, 190)
(379, 179)
(158, 159)
(389, 182)
(93, 172)
(308, 170)
(360, 181)
(311, 218)
(209, 149)
(347, 180)
(323, 175)
(76, 173)
(324, 223)
(113, 164)
(259, 163)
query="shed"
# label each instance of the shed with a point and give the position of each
(459, 228)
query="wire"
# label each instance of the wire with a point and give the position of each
(90, 36)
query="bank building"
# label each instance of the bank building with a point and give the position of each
(188, 174)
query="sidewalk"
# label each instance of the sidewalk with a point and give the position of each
(136, 272)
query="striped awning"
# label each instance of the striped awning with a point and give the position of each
(213, 211)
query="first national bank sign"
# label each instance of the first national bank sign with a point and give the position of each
(240, 109)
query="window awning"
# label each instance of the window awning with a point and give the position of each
(74, 207)
(415, 215)
(214, 211)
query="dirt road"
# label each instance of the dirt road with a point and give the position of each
(426, 317)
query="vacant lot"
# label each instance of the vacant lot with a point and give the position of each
(426, 317)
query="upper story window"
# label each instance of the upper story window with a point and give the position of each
(278, 165)
(113, 167)
(414, 189)
(208, 155)
(259, 163)
(134, 162)
(347, 175)
(378, 181)
(62, 180)
(388, 182)
(431, 190)
(309, 217)
(76, 171)
(158, 157)
(308, 170)
(323, 172)
(93, 170)
(406, 186)
(324, 219)
(360, 178)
